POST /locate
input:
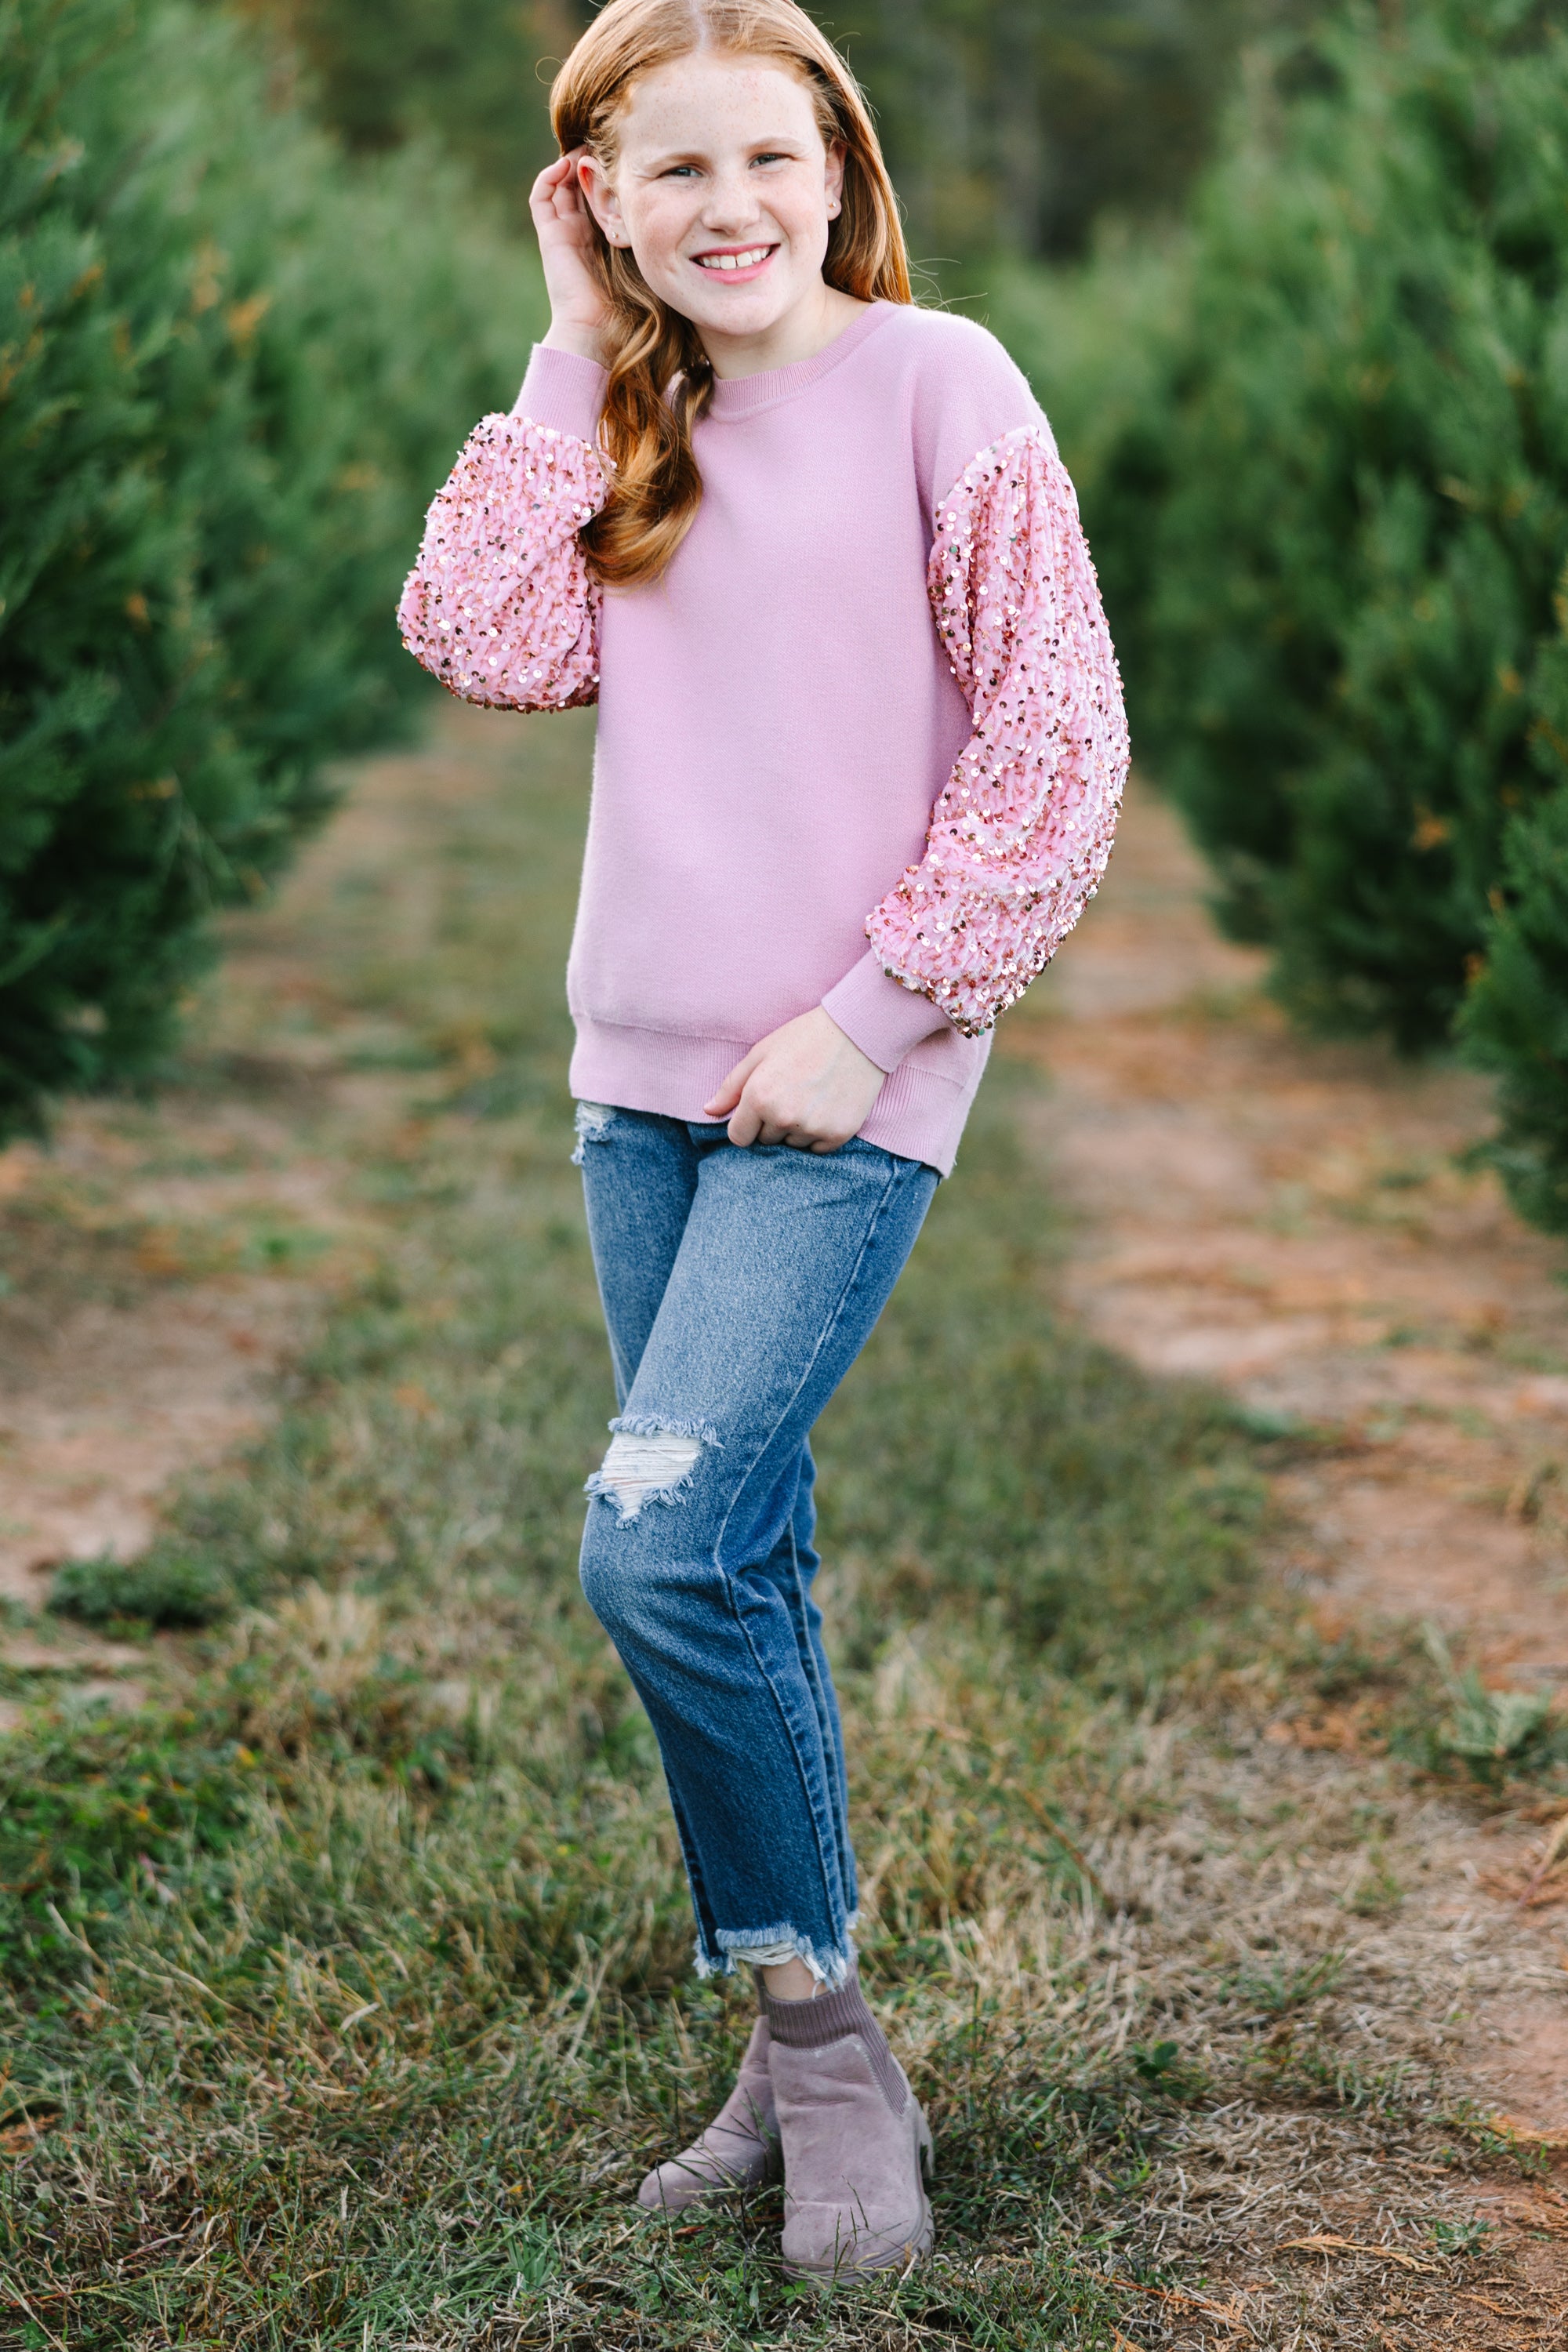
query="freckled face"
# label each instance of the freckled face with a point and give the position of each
(723, 189)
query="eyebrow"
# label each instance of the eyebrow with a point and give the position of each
(781, 142)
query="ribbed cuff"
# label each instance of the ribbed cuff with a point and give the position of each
(879, 1014)
(833, 2017)
(563, 391)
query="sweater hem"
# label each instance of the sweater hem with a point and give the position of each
(919, 1114)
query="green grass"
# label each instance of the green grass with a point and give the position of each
(351, 1981)
(167, 1586)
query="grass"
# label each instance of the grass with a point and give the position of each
(167, 1586)
(347, 1987)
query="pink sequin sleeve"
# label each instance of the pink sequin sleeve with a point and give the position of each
(499, 605)
(1021, 832)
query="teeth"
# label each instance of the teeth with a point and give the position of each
(734, 260)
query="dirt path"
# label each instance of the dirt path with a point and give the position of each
(1288, 1220)
(1292, 1220)
(159, 1262)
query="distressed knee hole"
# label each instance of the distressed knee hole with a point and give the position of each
(643, 1467)
(594, 1124)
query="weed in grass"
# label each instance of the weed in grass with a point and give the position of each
(1374, 1892)
(1459, 2237)
(1275, 1989)
(1491, 2138)
(1397, 1688)
(1492, 1732)
(1163, 2068)
(268, 1247)
(167, 1586)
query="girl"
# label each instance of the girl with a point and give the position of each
(860, 749)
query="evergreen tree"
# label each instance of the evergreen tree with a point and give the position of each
(230, 373)
(1516, 1017)
(474, 73)
(1321, 439)
(1010, 125)
(1355, 506)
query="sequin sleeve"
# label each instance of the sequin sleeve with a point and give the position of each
(499, 605)
(1022, 829)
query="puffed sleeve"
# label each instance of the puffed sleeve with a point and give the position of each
(1022, 829)
(500, 605)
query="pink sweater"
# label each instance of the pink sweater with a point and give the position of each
(872, 698)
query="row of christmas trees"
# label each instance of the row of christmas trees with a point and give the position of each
(231, 367)
(1322, 447)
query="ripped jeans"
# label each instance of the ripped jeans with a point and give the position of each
(738, 1287)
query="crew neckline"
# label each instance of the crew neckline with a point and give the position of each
(744, 396)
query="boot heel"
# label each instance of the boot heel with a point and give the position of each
(927, 2147)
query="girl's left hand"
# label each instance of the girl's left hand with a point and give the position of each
(805, 1086)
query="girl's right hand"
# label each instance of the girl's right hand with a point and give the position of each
(578, 312)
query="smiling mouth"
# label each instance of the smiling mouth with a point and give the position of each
(751, 257)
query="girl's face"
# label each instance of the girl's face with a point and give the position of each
(723, 190)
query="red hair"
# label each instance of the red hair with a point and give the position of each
(661, 378)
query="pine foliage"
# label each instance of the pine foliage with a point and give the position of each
(1012, 126)
(1516, 1016)
(232, 369)
(1351, 625)
(1335, 540)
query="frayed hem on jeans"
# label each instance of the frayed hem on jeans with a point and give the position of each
(768, 1947)
(650, 1424)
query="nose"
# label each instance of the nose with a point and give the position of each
(731, 205)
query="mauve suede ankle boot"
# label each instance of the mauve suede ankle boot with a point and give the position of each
(739, 2149)
(852, 2138)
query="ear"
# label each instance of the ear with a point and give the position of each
(834, 177)
(599, 194)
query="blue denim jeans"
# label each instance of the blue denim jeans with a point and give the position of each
(737, 1287)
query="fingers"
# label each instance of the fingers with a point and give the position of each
(569, 196)
(555, 193)
(725, 1096)
(752, 1124)
(793, 1088)
(548, 180)
(746, 1127)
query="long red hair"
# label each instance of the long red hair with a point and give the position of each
(661, 379)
